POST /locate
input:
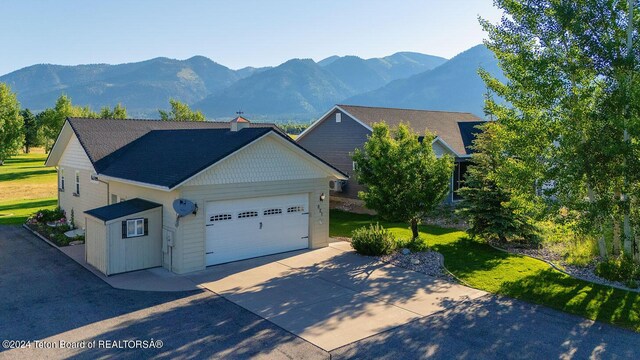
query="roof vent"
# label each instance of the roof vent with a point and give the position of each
(239, 123)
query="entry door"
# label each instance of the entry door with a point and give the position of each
(246, 228)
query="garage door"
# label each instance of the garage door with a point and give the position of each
(246, 228)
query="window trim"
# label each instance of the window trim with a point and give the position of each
(77, 192)
(61, 184)
(338, 117)
(135, 227)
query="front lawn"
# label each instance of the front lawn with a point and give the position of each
(26, 186)
(485, 268)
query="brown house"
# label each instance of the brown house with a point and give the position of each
(345, 128)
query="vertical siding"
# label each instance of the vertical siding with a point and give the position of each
(334, 143)
(164, 198)
(192, 228)
(92, 194)
(96, 244)
(137, 253)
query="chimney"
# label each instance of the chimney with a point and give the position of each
(239, 123)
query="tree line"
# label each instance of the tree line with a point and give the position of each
(21, 129)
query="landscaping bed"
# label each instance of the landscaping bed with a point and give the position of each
(52, 225)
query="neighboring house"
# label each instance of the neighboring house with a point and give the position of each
(257, 192)
(345, 128)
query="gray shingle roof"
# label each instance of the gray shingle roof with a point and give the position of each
(101, 137)
(121, 209)
(169, 157)
(163, 153)
(443, 123)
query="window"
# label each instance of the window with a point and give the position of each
(77, 193)
(221, 217)
(247, 214)
(294, 209)
(114, 198)
(135, 227)
(61, 179)
(275, 211)
(459, 172)
(338, 117)
(354, 165)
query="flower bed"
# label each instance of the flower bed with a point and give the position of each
(52, 224)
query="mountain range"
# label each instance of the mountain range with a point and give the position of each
(298, 90)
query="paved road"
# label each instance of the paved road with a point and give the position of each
(45, 295)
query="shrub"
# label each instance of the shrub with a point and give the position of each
(373, 240)
(621, 268)
(45, 216)
(418, 244)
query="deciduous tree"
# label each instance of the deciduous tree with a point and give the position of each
(181, 112)
(11, 124)
(404, 179)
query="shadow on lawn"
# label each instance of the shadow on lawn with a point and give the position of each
(560, 291)
(29, 204)
(12, 176)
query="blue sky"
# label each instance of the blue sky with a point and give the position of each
(233, 33)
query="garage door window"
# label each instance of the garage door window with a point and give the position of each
(221, 217)
(247, 214)
(135, 228)
(274, 211)
(295, 209)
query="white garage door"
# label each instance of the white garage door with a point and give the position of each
(246, 228)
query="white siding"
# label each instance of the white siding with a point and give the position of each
(440, 150)
(264, 160)
(96, 244)
(92, 194)
(191, 256)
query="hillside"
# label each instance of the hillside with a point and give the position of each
(297, 89)
(365, 75)
(142, 87)
(452, 86)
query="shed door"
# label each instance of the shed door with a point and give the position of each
(246, 228)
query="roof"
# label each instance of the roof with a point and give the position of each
(101, 137)
(122, 209)
(240, 119)
(468, 131)
(166, 158)
(154, 154)
(443, 123)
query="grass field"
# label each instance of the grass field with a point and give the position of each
(483, 267)
(25, 187)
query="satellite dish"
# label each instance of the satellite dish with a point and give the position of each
(184, 207)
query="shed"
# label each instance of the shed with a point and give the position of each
(124, 236)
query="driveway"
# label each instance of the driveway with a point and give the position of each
(331, 296)
(44, 295)
(47, 296)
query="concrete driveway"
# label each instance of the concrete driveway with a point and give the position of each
(332, 297)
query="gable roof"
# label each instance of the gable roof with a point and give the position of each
(121, 209)
(165, 156)
(443, 123)
(102, 137)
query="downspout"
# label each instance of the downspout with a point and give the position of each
(108, 193)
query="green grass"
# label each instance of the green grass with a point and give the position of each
(485, 268)
(26, 186)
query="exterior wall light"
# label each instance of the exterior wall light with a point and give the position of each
(322, 197)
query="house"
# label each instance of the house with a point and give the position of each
(253, 192)
(344, 128)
